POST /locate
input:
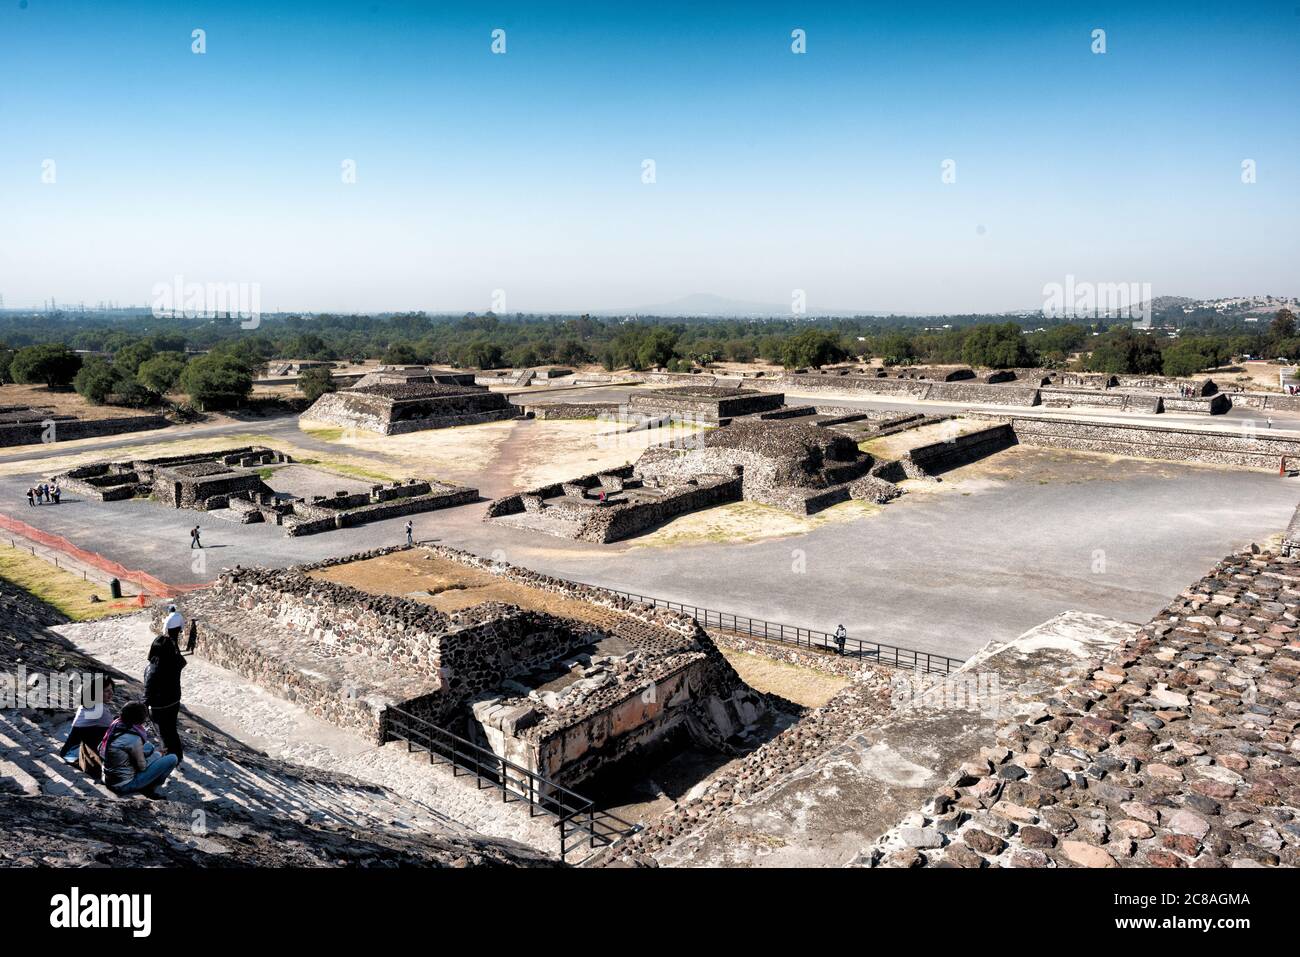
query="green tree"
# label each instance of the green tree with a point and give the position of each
(656, 348)
(161, 373)
(95, 380)
(812, 347)
(1183, 359)
(53, 365)
(996, 346)
(216, 381)
(400, 354)
(315, 382)
(6, 360)
(1283, 326)
(1122, 351)
(127, 359)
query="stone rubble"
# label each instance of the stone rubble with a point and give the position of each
(1179, 750)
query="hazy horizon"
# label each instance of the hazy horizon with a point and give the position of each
(513, 181)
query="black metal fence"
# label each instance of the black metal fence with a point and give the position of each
(576, 817)
(876, 651)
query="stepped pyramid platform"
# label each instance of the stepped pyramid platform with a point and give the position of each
(562, 679)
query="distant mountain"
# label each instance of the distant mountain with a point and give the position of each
(707, 304)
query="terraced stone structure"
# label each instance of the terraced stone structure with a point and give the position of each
(411, 406)
(201, 480)
(230, 485)
(792, 465)
(563, 679)
(704, 403)
(414, 375)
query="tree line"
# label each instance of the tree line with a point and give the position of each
(140, 360)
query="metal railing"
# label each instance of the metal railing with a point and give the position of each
(878, 652)
(574, 814)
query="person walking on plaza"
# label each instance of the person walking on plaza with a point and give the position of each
(194, 538)
(54, 492)
(162, 691)
(31, 497)
(410, 533)
(841, 636)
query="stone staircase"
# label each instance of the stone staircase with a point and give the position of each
(30, 764)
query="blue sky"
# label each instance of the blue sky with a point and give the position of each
(523, 172)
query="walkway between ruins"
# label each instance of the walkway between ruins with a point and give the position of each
(285, 731)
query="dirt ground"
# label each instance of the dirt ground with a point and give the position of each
(449, 586)
(70, 403)
(812, 689)
(1256, 376)
(501, 456)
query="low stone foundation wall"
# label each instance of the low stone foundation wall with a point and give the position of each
(68, 429)
(939, 457)
(1265, 401)
(1067, 398)
(1261, 449)
(571, 410)
(1216, 404)
(704, 402)
(438, 496)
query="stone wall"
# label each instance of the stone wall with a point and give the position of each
(572, 410)
(348, 656)
(1258, 449)
(711, 404)
(941, 456)
(1067, 398)
(399, 409)
(315, 518)
(66, 429)
(1215, 404)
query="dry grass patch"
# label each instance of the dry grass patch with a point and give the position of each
(62, 589)
(804, 686)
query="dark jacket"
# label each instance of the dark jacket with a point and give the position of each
(162, 676)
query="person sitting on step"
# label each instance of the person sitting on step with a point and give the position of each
(89, 725)
(131, 764)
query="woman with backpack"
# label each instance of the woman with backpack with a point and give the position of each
(162, 691)
(131, 764)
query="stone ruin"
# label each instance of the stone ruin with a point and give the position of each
(566, 697)
(794, 466)
(411, 405)
(200, 480)
(709, 404)
(29, 425)
(414, 375)
(229, 485)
